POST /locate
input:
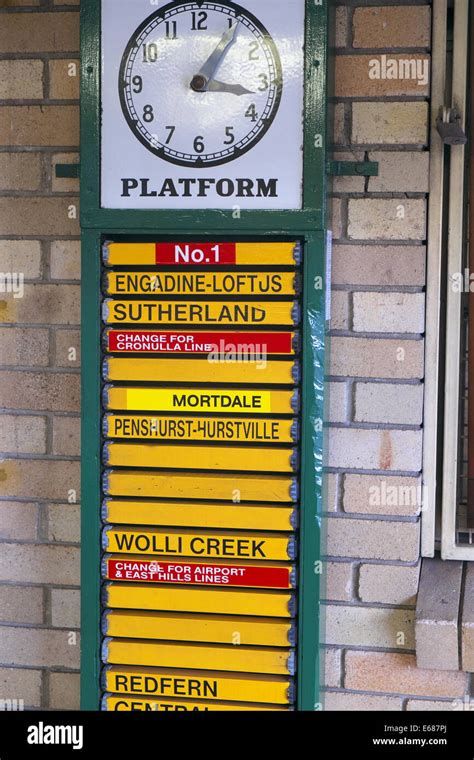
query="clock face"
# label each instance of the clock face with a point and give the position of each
(200, 83)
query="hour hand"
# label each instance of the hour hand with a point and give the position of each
(200, 80)
(234, 89)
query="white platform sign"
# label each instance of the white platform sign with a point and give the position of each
(202, 104)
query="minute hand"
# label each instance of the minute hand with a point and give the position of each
(210, 67)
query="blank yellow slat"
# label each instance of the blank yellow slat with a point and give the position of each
(187, 282)
(197, 514)
(230, 458)
(136, 596)
(203, 428)
(244, 401)
(164, 654)
(198, 684)
(199, 544)
(209, 313)
(110, 702)
(260, 371)
(173, 485)
(225, 629)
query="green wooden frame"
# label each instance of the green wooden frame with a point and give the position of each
(307, 225)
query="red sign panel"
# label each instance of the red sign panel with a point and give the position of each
(195, 254)
(155, 571)
(154, 341)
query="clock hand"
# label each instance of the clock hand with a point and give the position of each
(235, 89)
(200, 80)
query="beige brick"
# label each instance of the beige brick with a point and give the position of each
(397, 673)
(372, 539)
(437, 615)
(339, 310)
(17, 683)
(430, 705)
(337, 400)
(19, 171)
(331, 485)
(43, 304)
(64, 77)
(400, 172)
(332, 667)
(22, 434)
(337, 111)
(387, 219)
(65, 260)
(21, 80)
(64, 688)
(389, 312)
(66, 2)
(378, 494)
(379, 265)
(337, 581)
(38, 216)
(335, 222)
(68, 348)
(370, 357)
(392, 27)
(64, 522)
(37, 647)
(67, 436)
(23, 563)
(15, 3)
(341, 26)
(348, 184)
(387, 402)
(55, 392)
(24, 346)
(18, 521)
(63, 184)
(39, 479)
(39, 125)
(369, 627)
(467, 622)
(340, 700)
(19, 604)
(363, 75)
(390, 123)
(21, 256)
(65, 608)
(389, 584)
(39, 32)
(354, 448)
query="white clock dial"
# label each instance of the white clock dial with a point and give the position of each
(200, 82)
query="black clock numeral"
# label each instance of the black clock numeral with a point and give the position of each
(231, 22)
(172, 131)
(137, 83)
(171, 28)
(199, 19)
(251, 112)
(199, 144)
(253, 47)
(148, 114)
(265, 83)
(150, 52)
(229, 131)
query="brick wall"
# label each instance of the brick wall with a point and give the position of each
(376, 391)
(39, 354)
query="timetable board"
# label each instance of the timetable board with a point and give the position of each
(201, 420)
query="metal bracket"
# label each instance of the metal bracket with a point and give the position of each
(68, 171)
(353, 168)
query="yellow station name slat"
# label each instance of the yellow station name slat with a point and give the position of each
(243, 401)
(226, 629)
(198, 684)
(174, 485)
(149, 370)
(158, 312)
(246, 254)
(229, 458)
(202, 544)
(239, 659)
(199, 515)
(217, 601)
(192, 428)
(201, 283)
(110, 702)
